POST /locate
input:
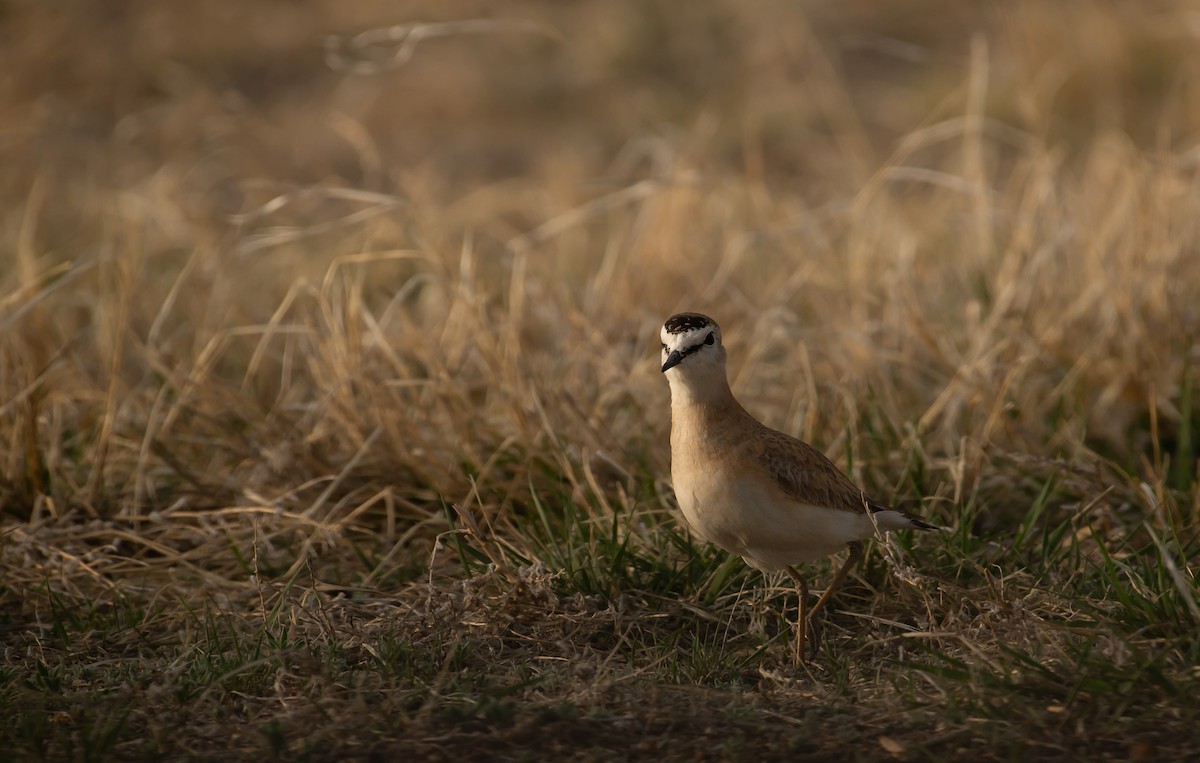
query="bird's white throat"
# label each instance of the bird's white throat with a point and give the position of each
(701, 384)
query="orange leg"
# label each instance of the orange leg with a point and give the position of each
(806, 614)
(802, 623)
(856, 550)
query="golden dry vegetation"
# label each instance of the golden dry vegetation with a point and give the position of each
(330, 419)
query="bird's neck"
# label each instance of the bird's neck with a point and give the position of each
(699, 401)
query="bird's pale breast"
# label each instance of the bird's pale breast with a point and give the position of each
(742, 511)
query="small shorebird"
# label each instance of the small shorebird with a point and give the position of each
(764, 495)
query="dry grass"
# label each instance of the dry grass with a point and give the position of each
(330, 423)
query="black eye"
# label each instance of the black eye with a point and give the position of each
(709, 339)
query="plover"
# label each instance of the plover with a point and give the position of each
(772, 499)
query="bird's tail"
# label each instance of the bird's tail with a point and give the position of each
(920, 524)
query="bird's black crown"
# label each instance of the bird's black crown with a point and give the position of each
(683, 322)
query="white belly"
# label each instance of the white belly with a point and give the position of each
(753, 519)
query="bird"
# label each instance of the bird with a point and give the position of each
(764, 495)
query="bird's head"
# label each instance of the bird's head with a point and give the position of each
(691, 344)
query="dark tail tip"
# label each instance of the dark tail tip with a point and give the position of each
(920, 525)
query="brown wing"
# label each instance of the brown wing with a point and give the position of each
(805, 474)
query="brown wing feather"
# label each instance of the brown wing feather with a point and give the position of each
(805, 474)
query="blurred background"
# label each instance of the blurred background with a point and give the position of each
(987, 210)
(556, 98)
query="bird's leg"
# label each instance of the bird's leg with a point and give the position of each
(802, 624)
(856, 549)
